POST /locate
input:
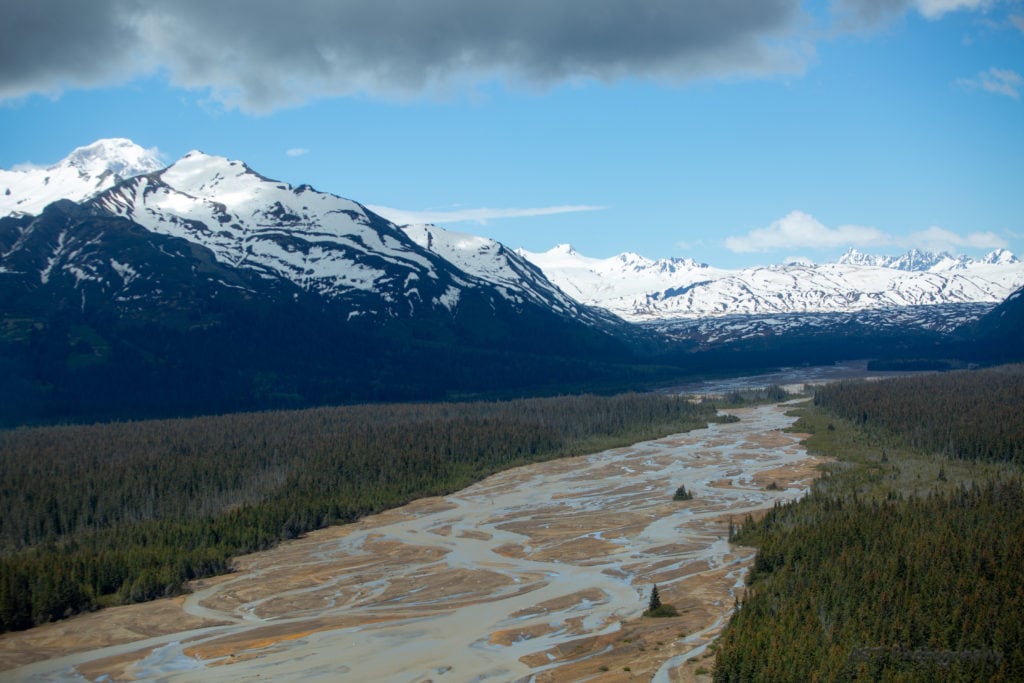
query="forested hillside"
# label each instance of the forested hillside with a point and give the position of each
(902, 564)
(113, 513)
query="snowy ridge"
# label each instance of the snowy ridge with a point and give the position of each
(327, 245)
(515, 278)
(324, 243)
(640, 289)
(916, 260)
(81, 175)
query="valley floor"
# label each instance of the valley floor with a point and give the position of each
(541, 571)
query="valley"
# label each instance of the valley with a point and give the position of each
(476, 342)
(537, 572)
(133, 290)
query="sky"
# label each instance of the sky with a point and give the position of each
(733, 132)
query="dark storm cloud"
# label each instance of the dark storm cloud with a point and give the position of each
(261, 55)
(44, 44)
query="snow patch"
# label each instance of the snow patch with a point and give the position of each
(450, 298)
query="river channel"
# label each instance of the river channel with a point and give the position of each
(538, 573)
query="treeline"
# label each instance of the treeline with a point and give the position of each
(972, 415)
(122, 512)
(769, 394)
(859, 581)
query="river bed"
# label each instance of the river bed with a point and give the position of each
(538, 573)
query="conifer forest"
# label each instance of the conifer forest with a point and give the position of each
(906, 561)
(113, 513)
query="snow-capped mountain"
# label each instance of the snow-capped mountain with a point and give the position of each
(337, 248)
(640, 289)
(921, 261)
(206, 287)
(325, 244)
(711, 331)
(81, 175)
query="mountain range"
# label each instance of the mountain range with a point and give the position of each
(643, 290)
(324, 244)
(131, 288)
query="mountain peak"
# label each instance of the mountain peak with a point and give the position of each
(119, 156)
(632, 258)
(921, 261)
(1000, 257)
(216, 178)
(915, 259)
(83, 174)
(198, 159)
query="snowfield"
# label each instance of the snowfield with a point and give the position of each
(644, 290)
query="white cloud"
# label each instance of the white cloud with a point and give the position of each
(1002, 82)
(27, 166)
(482, 215)
(939, 239)
(799, 230)
(933, 9)
(1018, 21)
(997, 81)
(297, 151)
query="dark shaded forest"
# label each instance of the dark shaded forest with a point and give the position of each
(124, 512)
(967, 415)
(904, 563)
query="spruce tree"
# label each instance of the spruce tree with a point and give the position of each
(655, 599)
(682, 494)
(656, 608)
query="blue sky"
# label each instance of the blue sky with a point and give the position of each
(717, 131)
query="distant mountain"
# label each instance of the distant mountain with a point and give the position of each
(923, 261)
(937, 319)
(644, 290)
(81, 175)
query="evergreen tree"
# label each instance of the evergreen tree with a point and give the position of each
(655, 600)
(682, 494)
(656, 608)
